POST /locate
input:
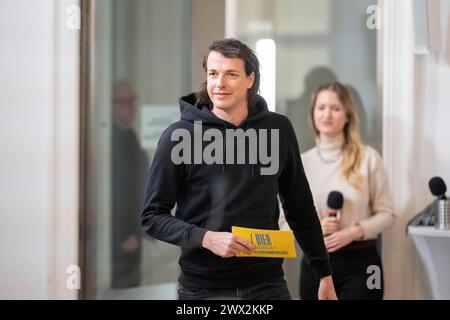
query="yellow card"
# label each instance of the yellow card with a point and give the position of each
(269, 243)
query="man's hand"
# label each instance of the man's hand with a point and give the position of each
(329, 225)
(343, 237)
(326, 289)
(226, 244)
(130, 244)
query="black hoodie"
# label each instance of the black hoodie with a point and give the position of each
(218, 196)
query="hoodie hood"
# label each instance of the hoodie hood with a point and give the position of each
(191, 111)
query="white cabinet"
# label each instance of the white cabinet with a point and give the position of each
(433, 247)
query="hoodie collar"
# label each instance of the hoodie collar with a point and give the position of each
(190, 111)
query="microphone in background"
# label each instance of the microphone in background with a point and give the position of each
(334, 202)
(438, 187)
(436, 213)
(441, 213)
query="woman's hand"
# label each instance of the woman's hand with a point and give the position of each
(341, 238)
(329, 225)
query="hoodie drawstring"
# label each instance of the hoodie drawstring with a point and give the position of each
(224, 146)
(251, 150)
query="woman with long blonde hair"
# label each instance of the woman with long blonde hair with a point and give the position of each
(340, 162)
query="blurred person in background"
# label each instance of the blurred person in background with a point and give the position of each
(129, 168)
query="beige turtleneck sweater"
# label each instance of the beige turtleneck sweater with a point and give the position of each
(370, 207)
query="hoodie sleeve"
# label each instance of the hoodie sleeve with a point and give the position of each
(298, 205)
(163, 185)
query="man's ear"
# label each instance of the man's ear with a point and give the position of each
(251, 80)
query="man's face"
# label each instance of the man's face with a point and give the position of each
(124, 109)
(227, 82)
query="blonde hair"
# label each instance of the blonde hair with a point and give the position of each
(352, 149)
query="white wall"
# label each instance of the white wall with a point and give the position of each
(415, 138)
(431, 128)
(38, 139)
(432, 84)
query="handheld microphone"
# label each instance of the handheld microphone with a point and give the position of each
(438, 187)
(334, 202)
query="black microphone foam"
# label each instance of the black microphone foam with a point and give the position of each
(335, 200)
(437, 186)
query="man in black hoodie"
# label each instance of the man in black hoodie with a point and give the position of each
(216, 193)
